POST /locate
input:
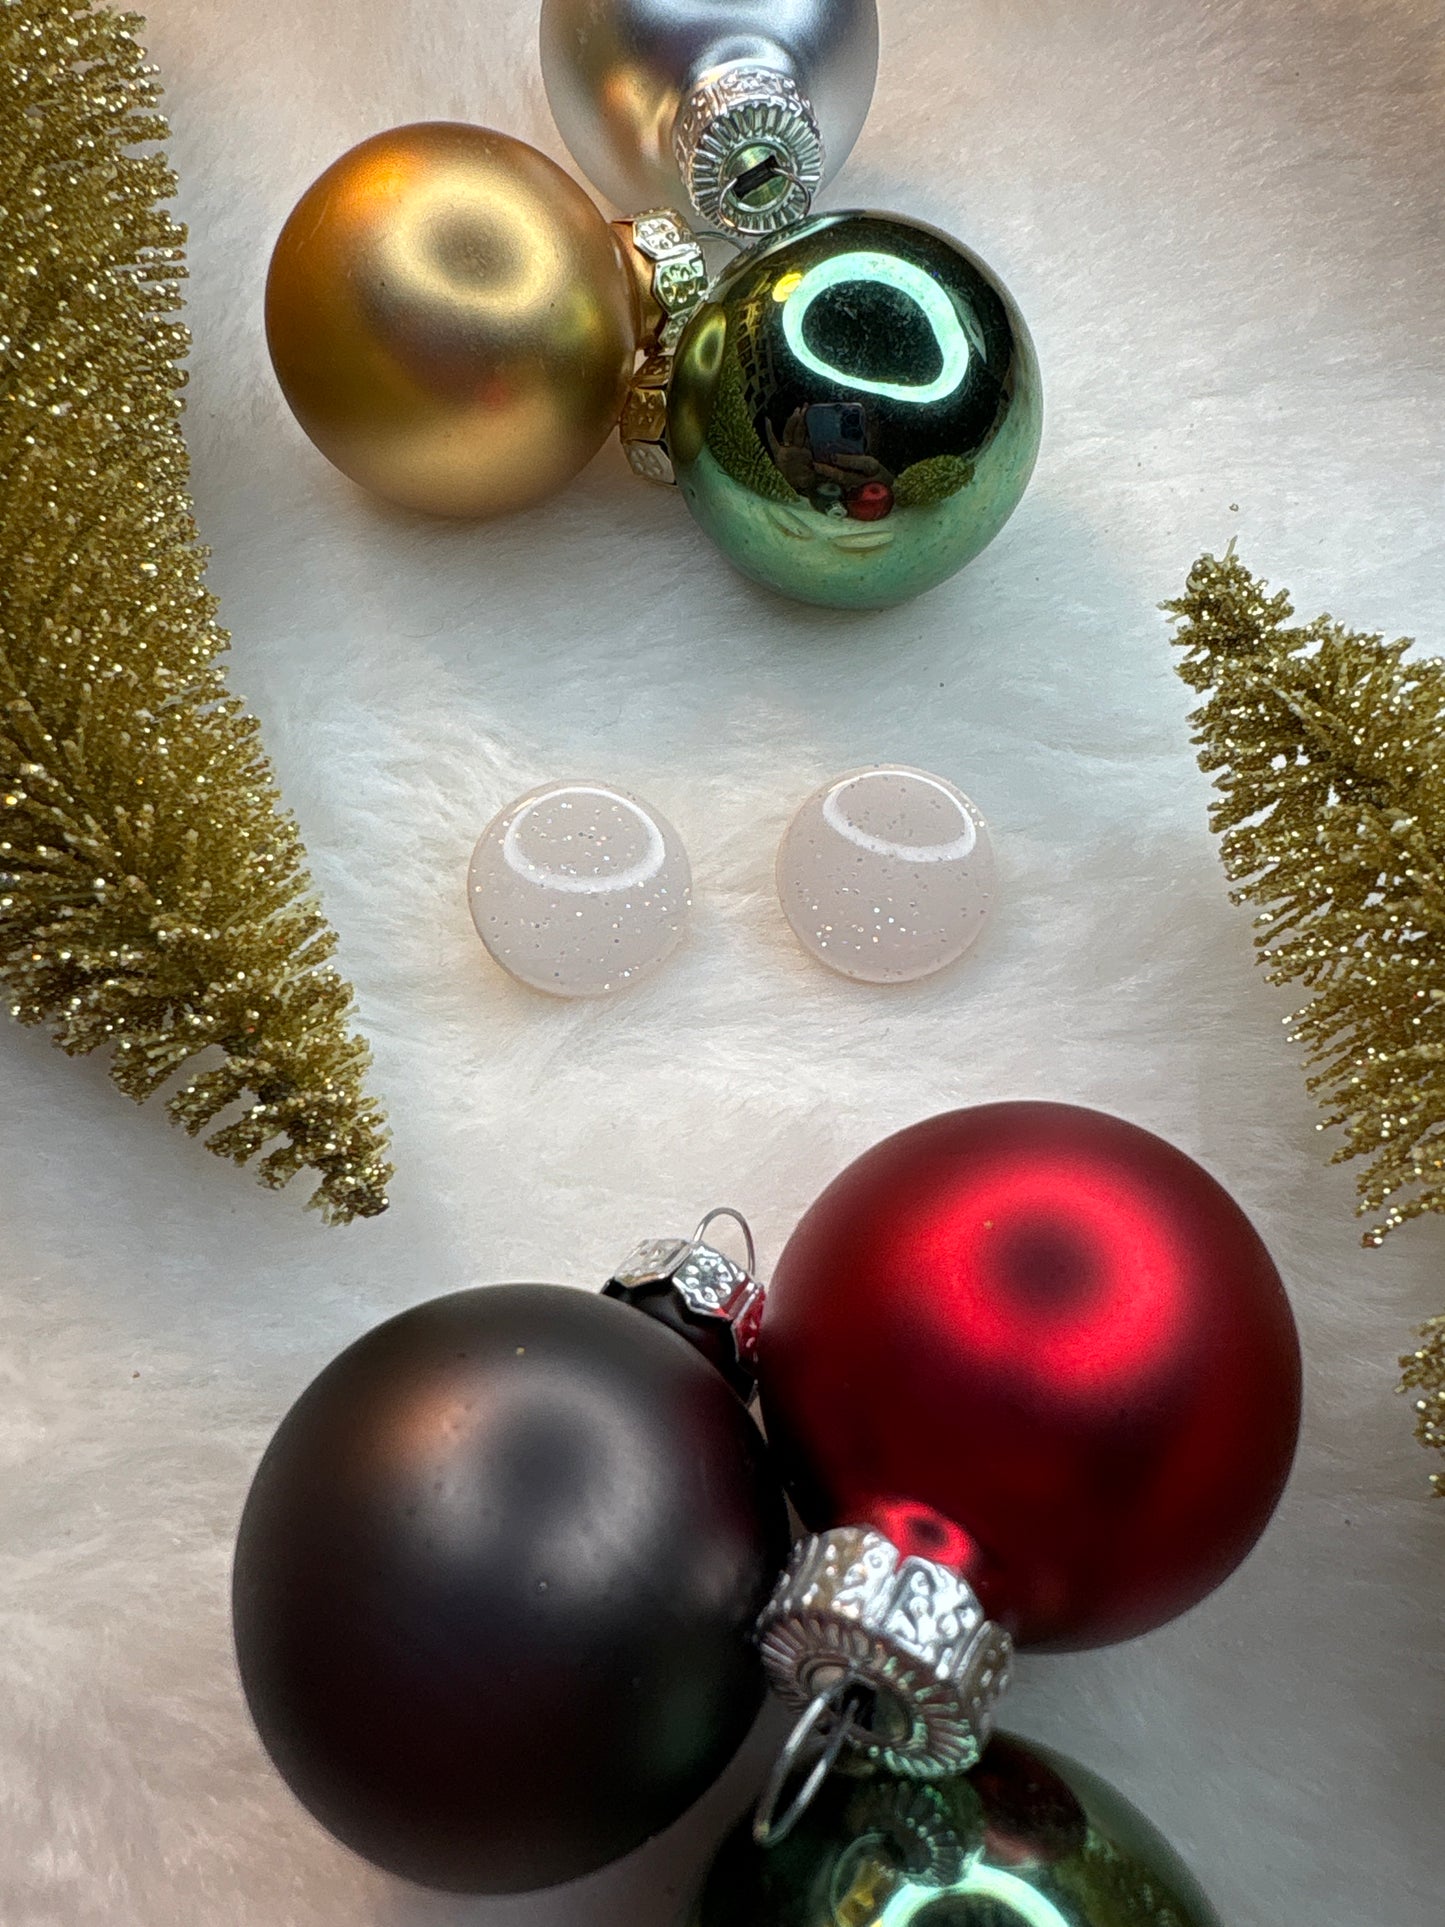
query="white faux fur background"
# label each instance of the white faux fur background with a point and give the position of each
(1224, 224)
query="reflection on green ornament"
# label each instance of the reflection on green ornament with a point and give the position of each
(1027, 1839)
(856, 410)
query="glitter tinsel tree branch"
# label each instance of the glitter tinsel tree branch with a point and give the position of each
(1327, 748)
(154, 899)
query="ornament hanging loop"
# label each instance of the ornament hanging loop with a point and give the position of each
(830, 1714)
(769, 175)
(699, 1237)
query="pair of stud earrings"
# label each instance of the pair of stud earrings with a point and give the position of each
(885, 875)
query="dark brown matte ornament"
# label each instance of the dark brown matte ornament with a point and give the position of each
(495, 1587)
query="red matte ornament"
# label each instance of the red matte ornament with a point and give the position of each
(1043, 1347)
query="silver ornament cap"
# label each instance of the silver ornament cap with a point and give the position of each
(750, 152)
(708, 1285)
(899, 1648)
(652, 95)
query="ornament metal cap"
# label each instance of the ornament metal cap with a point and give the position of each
(894, 1651)
(670, 274)
(749, 149)
(708, 1283)
(741, 108)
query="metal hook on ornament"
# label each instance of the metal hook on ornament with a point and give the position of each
(841, 1703)
(737, 203)
(729, 1211)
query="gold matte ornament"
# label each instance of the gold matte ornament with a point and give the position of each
(452, 320)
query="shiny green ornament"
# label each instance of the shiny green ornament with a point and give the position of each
(1027, 1839)
(855, 411)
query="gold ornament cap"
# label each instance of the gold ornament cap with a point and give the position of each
(670, 273)
(644, 422)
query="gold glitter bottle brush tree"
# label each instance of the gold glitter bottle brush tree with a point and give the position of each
(154, 897)
(1327, 748)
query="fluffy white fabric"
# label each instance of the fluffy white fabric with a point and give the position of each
(1223, 224)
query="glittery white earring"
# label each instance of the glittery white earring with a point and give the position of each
(578, 888)
(886, 874)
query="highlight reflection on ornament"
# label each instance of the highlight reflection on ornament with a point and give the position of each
(1028, 1839)
(855, 411)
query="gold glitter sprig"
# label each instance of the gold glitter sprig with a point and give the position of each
(154, 899)
(1327, 747)
(1424, 1374)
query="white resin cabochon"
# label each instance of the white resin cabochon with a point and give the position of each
(579, 889)
(886, 874)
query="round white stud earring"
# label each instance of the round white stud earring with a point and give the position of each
(579, 888)
(886, 874)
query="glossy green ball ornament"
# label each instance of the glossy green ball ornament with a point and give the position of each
(855, 411)
(1027, 1839)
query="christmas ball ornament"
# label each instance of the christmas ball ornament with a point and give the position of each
(495, 1584)
(579, 889)
(886, 874)
(739, 109)
(856, 352)
(451, 319)
(1028, 1839)
(1029, 1369)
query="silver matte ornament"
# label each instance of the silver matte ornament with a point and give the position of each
(739, 109)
